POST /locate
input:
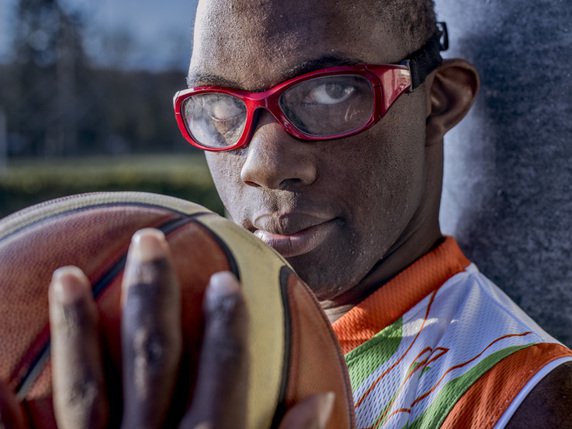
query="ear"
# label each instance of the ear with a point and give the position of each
(451, 92)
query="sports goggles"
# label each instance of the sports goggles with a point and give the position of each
(326, 104)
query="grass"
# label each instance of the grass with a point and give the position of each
(27, 182)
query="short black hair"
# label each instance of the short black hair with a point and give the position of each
(416, 20)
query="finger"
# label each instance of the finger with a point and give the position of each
(312, 413)
(219, 400)
(151, 333)
(80, 400)
(11, 416)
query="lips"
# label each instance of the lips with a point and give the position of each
(294, 234)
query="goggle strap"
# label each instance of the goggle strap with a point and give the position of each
(426, 59)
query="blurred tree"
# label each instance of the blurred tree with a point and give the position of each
(57, 103)
(43, 83)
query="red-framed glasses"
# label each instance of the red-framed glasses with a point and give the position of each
(326, 104)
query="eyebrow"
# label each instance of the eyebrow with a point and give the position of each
(202, 79)
(317, 64)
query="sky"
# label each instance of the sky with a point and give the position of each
(155, 34)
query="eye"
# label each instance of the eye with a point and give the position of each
(330, 93)
(224, 109)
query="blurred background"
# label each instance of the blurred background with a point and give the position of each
(85, 100)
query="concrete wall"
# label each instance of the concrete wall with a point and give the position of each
(508, 179)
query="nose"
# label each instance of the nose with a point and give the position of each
(276, 160)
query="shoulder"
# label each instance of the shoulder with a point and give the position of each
(548, 405)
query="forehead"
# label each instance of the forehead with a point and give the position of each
(254, 44)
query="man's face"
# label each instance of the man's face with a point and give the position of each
(334, 209)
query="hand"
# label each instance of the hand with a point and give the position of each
(151, 342)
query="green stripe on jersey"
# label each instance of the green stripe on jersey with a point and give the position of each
(365, 359)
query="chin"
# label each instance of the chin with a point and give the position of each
(331, 270)
(323, 285)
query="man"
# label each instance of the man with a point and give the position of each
(341, 172)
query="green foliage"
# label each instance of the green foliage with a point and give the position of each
(29, 182)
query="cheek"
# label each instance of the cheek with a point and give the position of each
(225, 170)
(383, 175)
(402, 176)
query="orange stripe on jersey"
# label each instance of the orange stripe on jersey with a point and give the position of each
(488, 398)
(390, 302)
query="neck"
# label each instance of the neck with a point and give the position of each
(422, 234)
(402, 254)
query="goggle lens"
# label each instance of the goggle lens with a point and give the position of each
(215, 120)
(330, 105)
(319, 107)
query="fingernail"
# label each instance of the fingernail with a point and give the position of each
(148, 244)
(222, 284)
(69, 285)
(326, 407)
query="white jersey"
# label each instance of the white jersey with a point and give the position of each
(441, 346)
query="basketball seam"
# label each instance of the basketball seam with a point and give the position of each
(280, 405)
(39, 221)
(326, 323)
(226, 250)
(71, 202)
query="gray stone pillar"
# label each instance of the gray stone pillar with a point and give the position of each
(508, 175)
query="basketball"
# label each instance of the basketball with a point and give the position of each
(293, 350)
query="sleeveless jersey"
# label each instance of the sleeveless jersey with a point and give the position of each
(440, 346)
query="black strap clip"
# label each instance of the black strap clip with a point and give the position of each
(443, 36)
(426, 59)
